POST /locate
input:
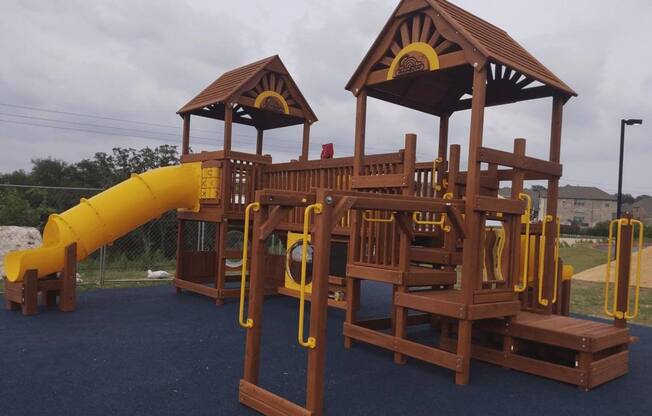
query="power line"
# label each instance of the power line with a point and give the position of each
(68, 188)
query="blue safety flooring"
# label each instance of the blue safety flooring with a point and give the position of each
(149, 351)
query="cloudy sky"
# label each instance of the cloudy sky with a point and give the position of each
(131, 64)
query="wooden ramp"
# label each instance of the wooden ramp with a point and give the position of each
(577, 351)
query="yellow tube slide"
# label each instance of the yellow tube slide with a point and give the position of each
(108, 216)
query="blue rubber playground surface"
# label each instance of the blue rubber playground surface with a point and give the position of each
(149, 351)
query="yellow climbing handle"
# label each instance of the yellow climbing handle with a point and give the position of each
(500, 234)
(436, 162)
(249, 323)
(613, 311)
(317, 208)
(610, 242)
(639, 255)
(369, 219)
(525, 219)
(441, 222)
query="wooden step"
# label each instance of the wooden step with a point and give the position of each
(434, 255)
(416, 276)
(449, 303)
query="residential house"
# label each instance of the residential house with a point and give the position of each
(642, 210)
(581, 205)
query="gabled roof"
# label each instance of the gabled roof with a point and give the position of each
(495, 44)
(241, 86)
(582, 192)
(460, 40)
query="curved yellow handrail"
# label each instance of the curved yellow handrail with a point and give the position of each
(383, 220)
(607, 279)
(639, 255)
(500, 233)
(525, 219)
(416, 217)
(249, 323)
(317, 208)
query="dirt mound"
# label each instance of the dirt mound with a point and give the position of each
(597, 274)
(17, 238)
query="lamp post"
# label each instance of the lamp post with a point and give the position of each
(623, 123)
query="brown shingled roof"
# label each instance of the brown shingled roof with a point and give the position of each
(226, 86)
(498, 46)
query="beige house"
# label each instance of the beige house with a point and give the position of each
(581, 205)
(642, 210)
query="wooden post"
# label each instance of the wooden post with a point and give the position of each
(67, 294)
(185, 144)
(471, 271)
(450, 238)
(29, 305)
(400, 313)
(624, 243)
(220, 258)
(179, 266)
(513, 243)
(353, 285)
(319, 306)
(256, 297)
(551, 203)
(441, 153)
(259, 141)
(228, 126)
(305, 146)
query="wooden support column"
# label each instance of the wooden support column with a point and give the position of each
(29, 304)
(551, 203)
(228, 126)
(256, 297)
(67, 292)
(353, 285)
(441, 153)
(513, 244)
(220, 258)
(305, 146)
(473, 244)
(401, 313)
(450, 238)
(185, 144)
(259, 141)
(321, 238)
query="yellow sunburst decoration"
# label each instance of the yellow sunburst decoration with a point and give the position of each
(260, 100)
(416, 48)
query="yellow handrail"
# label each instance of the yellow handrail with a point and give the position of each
(317, 208)
(440, 222)
(525, 218)
(639, 255)
(249, 323)
(500, 233)
(542, 244)
(383, 220)
(614, 312)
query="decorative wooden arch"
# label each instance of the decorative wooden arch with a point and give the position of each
(261, 94)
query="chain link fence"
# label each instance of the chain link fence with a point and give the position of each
(146, 254)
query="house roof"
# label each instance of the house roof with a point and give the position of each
(460, 40)
(645, 204)
(582, 192)
(241, 85)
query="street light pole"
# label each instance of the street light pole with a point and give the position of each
(623, 123)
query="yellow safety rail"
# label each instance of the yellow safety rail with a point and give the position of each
(317, 208)
(525, 219)
(416, 217)
(542, 243)
(500, 234)
(614, 312)
(249, 323)
(434, 178)
(383, 220)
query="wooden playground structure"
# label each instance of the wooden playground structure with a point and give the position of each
(406, 224)
(458, 257)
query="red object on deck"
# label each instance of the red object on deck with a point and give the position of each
(327, 151)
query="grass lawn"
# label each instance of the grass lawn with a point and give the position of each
(587, 298)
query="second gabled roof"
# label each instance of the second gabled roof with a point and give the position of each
(243, 84)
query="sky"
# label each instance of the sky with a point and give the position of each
(132, 64)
